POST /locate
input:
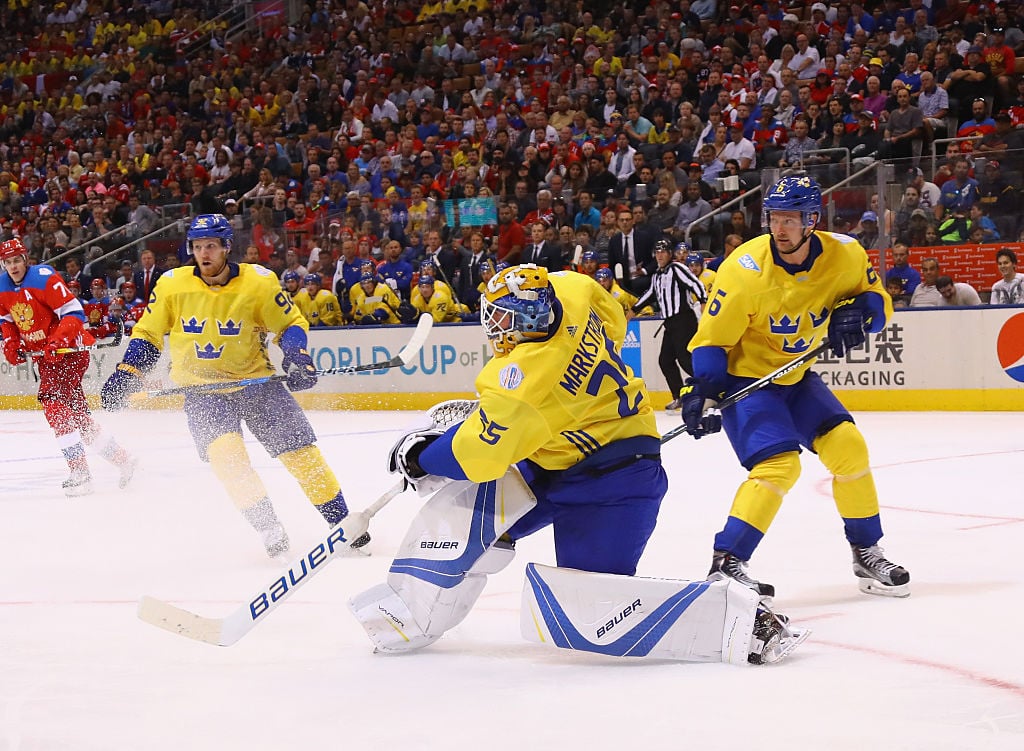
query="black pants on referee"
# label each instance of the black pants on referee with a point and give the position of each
(679, 330)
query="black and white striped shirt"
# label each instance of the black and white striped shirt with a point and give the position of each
(676, 289)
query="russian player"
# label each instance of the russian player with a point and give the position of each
(374, 302)
(217, 314)
(324, 309)
(563, 435)
(39, 316)
(774, 298)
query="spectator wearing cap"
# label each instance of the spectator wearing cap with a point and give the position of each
(787, 35)
(868, 235)
(739, 148)
(973, 81)
(1003, 142)
(1001, 59)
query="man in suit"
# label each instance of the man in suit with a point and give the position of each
(540, 251)
(634, 250)
(479, 258)
(73, 273)
(145, 278)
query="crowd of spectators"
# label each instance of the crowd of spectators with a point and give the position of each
(344, 137)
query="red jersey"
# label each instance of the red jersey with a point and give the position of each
(34, 308)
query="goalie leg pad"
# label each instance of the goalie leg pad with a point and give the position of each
(631, 616)
(443, 562)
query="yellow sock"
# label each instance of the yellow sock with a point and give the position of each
(317, 480)
(230, 462)
(844, 453)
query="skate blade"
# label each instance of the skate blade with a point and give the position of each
(84, 488)
(873, 587)
(789, 641)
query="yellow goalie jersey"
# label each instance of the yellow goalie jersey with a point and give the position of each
(558, 400)
(383, 299)
(324, 309)
(764, 316)
(217, 333)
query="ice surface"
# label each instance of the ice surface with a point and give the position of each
(941, 670)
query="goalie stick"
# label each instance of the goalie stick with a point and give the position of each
(224, 632)
(403, 358)
(757, 385)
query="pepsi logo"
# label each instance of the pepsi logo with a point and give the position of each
(1010, 347)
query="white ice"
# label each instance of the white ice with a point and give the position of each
(941, 670)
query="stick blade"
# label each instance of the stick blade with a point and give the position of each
(419, 338)
(181, 622)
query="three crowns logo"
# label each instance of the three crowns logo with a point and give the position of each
(783, 325)
(209, 352)
(229, 328)
(192, 326)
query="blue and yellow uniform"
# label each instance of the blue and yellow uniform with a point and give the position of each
(567, 410)
(764, 313)
(441, 306)
(324, 309)
(381, 304)
(217, 329)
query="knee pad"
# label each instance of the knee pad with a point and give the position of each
(443, 563)
(230, 462)
(308, 466)
(777, 474)
(758, 499)
(843, 451)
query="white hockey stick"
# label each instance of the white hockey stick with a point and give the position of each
(226, 631)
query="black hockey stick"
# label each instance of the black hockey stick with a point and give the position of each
(117, 336)
(760, 383)
(403, 358)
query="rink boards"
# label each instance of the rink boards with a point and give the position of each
(956, 359)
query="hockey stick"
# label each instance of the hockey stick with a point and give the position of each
(403, 358)
(760, 383)
(118, 335)
(224, 632)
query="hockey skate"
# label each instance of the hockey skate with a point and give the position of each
(79, 482)
(127, 471)
(674, 406)
(878, 576)
(773, 637)
(275, 540)
(727, 566)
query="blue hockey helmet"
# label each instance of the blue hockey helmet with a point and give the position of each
(313, 279)
(207, 226)
(682, 248)
(603, 273)
(291, 276)
(695, 258)
(795, 193)
(501, 266)
(516, 306)
(588, 256)
(368, 276)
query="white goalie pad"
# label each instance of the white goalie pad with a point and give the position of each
(632, 616)
(443, 562)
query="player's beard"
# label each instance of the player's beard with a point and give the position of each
(220, 276)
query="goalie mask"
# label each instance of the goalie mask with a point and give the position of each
(516, 306)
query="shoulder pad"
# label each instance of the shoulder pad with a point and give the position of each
(844, 239)
(261, 270)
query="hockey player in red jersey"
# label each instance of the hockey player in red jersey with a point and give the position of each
(39, 316)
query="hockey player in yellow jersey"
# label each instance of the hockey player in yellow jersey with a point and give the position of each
(374, 302)
(698, 265)
(218, 315)
(324, 309)
(441, 287)
(775, 297)
(625, 299)
(430, 298)
(558, 401)
(293, 287)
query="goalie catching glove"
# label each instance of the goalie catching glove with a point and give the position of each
(404, 456)
(700, 407)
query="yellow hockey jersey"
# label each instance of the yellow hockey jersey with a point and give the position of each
(441, 306)
(304, 303)
(627, 300)
(324, 309)
(764, 316)
(383, 298)
(558, 400)
(217, 333)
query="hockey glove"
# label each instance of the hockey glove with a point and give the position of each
(12, 350)
(404, 456)
(299, 368)
(123, 382)
(67, 333)
(700, 407)
(407, 313)
(846, 326)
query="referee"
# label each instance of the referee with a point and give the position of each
(680, 296)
